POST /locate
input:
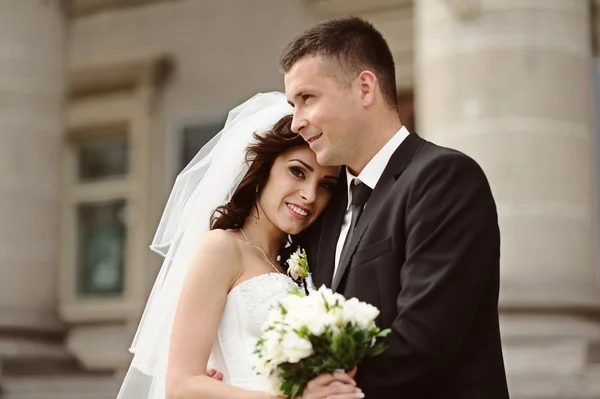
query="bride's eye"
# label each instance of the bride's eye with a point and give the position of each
(327, 185)
(297, 172)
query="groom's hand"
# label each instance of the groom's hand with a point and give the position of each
(333, 386)
(214, 374)
(352, 373)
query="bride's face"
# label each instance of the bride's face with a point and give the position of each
(298, 190)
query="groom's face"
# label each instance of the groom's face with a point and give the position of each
(325, 111)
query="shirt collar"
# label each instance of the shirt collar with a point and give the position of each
(372, 172)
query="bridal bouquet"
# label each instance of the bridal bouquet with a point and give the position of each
(322, 332)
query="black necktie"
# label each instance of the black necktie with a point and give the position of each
(360, 195)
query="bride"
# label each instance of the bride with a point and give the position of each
(224, 226)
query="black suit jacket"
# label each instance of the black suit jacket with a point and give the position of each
(426, 252)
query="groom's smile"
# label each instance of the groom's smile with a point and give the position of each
(313, 138)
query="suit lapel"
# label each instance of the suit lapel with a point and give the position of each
(330, 232)
(397, 164)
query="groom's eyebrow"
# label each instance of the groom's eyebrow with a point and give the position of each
(311, 169)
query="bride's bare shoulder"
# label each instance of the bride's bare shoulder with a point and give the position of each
(223, 244)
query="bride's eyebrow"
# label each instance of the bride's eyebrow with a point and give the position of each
(307, 166)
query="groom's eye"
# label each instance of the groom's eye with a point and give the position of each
(306, 97)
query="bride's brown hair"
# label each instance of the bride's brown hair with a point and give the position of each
(262, 155)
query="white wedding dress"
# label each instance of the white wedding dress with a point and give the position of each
(245, 312)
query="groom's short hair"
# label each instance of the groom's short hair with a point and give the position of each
(351, 45)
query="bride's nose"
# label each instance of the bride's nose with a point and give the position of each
(308, 194)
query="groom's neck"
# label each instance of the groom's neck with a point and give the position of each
(380, 130)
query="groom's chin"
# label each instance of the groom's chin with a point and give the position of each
(324, 159)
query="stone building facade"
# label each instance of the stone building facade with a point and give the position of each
(103, 101)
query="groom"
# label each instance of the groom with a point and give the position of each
(412, 228)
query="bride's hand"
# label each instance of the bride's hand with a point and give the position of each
(333, 386)
(214, 374)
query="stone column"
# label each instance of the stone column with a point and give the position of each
(509, 82)
(32, 82)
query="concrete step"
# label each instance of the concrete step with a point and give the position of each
(60, 387)
(18, 347)
(543, 385)
(31, 356)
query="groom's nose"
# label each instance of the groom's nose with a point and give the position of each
(298, 124)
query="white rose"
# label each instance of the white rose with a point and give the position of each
(298, 318)
(317, 312)
(263, 367)
(274, 385)
(290, 303)
(359, 313)
(332, 298)
(272, 350)
(295, 348)
(308, 311)
(274, 318)
(335, 318)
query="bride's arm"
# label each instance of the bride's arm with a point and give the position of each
(215, 267)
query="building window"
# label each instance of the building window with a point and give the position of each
(101, 248)
(103, 158)
(99, 195)
(194, 137)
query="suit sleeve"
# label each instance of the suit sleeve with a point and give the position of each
(452, 249)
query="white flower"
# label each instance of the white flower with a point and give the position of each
(295, 348)
(263, 367)
(359, 313)
(297, 265)
(318, 311)
(272, 350)
(335, 319)
(305, 312)
(274, 385)
(333, 299)
(290, 302)
(274, 319)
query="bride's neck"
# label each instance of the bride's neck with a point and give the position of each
(262, 233)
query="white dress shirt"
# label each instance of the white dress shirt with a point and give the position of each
(370, 175)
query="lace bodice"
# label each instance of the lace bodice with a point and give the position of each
(245, 312)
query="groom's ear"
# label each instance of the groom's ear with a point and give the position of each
(368, 87)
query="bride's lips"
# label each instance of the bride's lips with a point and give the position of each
(298, 211)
